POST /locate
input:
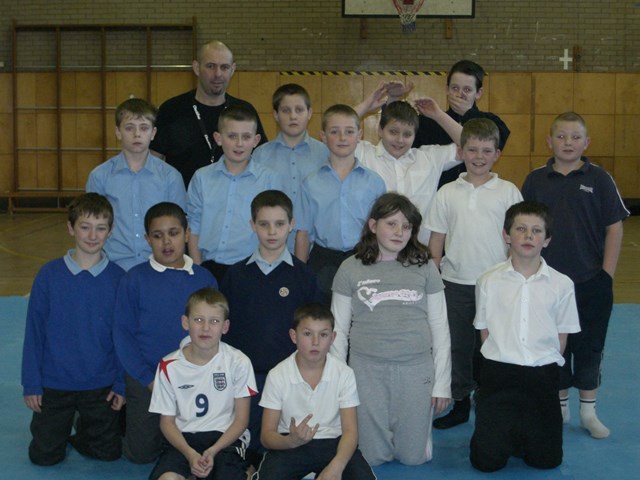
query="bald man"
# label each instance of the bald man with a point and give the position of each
(186, 123)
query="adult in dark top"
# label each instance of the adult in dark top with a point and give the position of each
(464, 87)
(186, 123)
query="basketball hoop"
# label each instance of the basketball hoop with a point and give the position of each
(408, 10)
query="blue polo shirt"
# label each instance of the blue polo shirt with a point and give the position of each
(219, 209)
(131, 194)
(583, 203)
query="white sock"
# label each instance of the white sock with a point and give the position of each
(590, 421)
(564, 407)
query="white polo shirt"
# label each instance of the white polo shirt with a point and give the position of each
(525, 315)
(415, 174)
(472, 219)
(286, 390)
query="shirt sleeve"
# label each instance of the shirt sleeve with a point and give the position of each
(125, 325)
(194, 203)
(244, 378)
(35, 337)
(163, 399)
(341, 309)
(439, 325)
(271, 393)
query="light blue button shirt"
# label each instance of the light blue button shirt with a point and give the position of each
(266, 267)
(334, 211)
(219, 209)
(131, 194)
(293, 163)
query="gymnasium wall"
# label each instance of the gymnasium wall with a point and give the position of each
(526, 101)
(518, 42)
(505, 35)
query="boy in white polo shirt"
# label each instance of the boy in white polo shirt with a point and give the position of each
(472, 207)
(525, 310)
(309, 422)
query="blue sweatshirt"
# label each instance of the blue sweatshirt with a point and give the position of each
(148, 309)
(68, 342)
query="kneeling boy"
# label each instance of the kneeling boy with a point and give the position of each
(309, 422)
(69, 363)
(525, 309)
(202, 392)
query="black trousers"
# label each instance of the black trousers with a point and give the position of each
(517, 414)
(97, 428)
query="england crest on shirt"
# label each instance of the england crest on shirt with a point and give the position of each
(220, 381)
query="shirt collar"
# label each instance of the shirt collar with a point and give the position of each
(158, 267)
(543, 270)
(121, 164)
(297, 376)
(382, 152)
(492, 183)
(304, 142)
(75, 268)
(285, 256)
(582, 170)
(222, 167)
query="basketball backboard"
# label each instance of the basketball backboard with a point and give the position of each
(430, 8)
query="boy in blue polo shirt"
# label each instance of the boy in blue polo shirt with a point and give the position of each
(69, 363)
(335, 199)
(133, 181)
(588, 214)
(220, 195)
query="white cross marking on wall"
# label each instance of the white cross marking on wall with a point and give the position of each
(566, 59)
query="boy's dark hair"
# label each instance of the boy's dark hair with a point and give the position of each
(339, 109)
(239, 113)
(482, 129)
(164, 209)
(314, 311)
(414, 253)
(568, 117)
(211, 297)
(400, 111)
(90, 204)
(468, 68)
(528, 208)
(271, 198)
(136, 107)
(290, 89)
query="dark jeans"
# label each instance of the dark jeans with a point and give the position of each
(583, 355)
(517, 414)
(97, 429)
(143, 438)
(325, 263)
(295, 463)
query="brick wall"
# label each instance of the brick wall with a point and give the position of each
(312, 35)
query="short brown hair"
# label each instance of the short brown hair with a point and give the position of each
(90, 204)
(482, 129)
(339, 109)
(211, 297)
(314, 311)
(138, 108)
(568, 117)
(290, 89)
(271, 198)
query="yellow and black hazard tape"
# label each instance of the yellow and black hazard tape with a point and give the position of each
(333, 73)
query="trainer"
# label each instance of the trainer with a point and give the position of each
(186, 123)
